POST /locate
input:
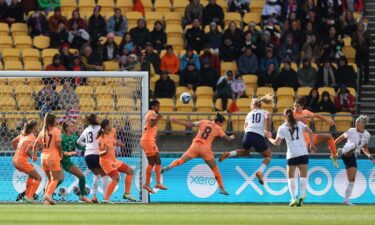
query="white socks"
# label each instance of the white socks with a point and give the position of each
(95, 184)
(233, 153)
(348, 191)
(262, 168)
(292, 188)
(105, 183)
(303, 185)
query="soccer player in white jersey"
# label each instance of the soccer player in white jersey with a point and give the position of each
(297, 154)
(357, 139)
(257, 123)
(88, 138)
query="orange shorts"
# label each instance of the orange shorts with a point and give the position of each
(307, 139)
(200, 150)
(23, 166)
(149, 147)
(51, 165)
(109, 166)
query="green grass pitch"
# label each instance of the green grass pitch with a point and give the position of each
(155, 214)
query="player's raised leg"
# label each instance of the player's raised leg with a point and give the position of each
(320, 138)
(183, 159)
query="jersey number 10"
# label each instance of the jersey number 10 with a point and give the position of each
(256, 117)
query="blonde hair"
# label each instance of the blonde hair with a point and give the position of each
(267, 99)
(364, 119)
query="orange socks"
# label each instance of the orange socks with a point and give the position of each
(111, 187)
(218, 176)
(29, 185)
(128, 183)
(34, 188)
(332, 146)
(157, 173)
(148, 174)
(175, 163)
(52, 186)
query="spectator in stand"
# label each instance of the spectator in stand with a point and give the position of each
(60, 36)
(208, 75)
(326, 75)
(348, 24)
(53, 21)
(170, 62)
(214, 37)
(132, 63)
(97, 27)
(213, 13)
(68, 99)
(308, 6)
(289, 7)
(249, 41)
(66, 57)
(15, 12)
(331, 8)
(311, 49)
(91, 60)
(165, 87)
(227, 51)
(240, 6)
(257, 35)
(37, 23)
(306, 33)
(195, 36)
(127, 45)
(49, 5)
(189, 57)
(269, 78)
(110, 49)
(77, 37)
(344, 101)
(296, 32)
(140, 34)
(190, 77)
(312, 100)
(159, 37)
(288, 77)
(238, 88)
(193, 11)
(56, 64)
(47, 99)
(248, 62)
(77, 20)
(152, 57)
(361, 41)
(118, 24)
(236, 36)
(345, 74)
(289, 50)
(306, 74)
(331, 44)
(224, 89)
(326, 104)
(264, 43)
(212, 58)
(269, 59)
(3, 10)
(29, 5)
(271, 12)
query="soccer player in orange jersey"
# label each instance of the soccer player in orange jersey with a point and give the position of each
(23, 144)
(202, 145)
(148, 144)
(305, 116)
(107, 142)
(50, 139)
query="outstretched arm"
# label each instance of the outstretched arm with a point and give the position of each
(184, 123)
(229, 138)
(80, 140)
(340, 139)
(367, 153)
(276, 141)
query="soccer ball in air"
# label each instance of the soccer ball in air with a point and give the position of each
(185, 97)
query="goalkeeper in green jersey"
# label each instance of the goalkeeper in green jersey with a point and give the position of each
(69, 145)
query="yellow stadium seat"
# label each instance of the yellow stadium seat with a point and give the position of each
(111, 66)
(68, 6)
(14, 120)
(25, 102)
(177, 43)
(86, 5)
(103, 92)
(330, 90)
(16, 82)
(172, 18)
(219, 104)
(4, 29)
(47, 55)
(225, 66)
(204, 92)
(277, 121)
(285, 93)
(223, 4)
(268, 107)
(133, 16)
(303, 91)
(86, 91)
(166, 104)
(106, 6)
(283, 104)
(30, 54)
(257, 6)
(6, 91)
(343, 121)
(5, 42)
(33, 65)
(250, 80)
(262, 91)
(232, 17)
(175, 78)
(252, 17)
(238, 120)
(162, 124)
(152, 17)
(41, 42)
(19, 29)
(347, 41)
(179, 6)
(23, 89)
(249, 91)
(7, 103)
(352, 92)
(354, 67)
(125, 5)
(87, 104)
(181, 107)
(147, 5)
(293, 66)
(162, 6)
(243, 104)
(204, 105)
(125, 104)
(12, 65)
(174, 31)
(177, 127)
(11, 54)
(182, 89)
(349, 52)
(322, 126)
(106, 104)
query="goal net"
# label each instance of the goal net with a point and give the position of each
(121, 97)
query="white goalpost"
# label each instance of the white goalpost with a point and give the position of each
(122, 97)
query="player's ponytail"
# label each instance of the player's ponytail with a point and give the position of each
(363, 119)
(267, 99)
(219, 118)
(103, 125)
(92, 120)
(28, 127)
(49, 121)
(289, 116)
